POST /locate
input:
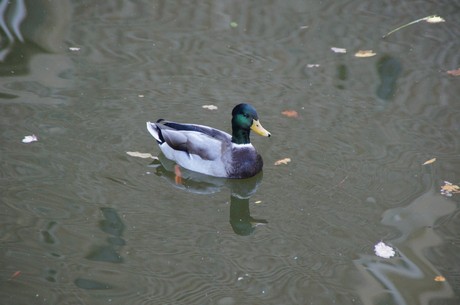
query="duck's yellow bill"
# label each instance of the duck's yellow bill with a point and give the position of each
(257, 128)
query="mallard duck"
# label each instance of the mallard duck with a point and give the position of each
(211, 151)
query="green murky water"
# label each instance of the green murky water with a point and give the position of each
(82, 222)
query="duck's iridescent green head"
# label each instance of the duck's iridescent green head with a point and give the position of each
(245, 118)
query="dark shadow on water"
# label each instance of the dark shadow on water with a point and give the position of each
(389, 69)
(29, 28)
(241, 190)
(114, 226)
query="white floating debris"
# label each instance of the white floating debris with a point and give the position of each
(210, 107)
(312, 65)
(141, 155)
(74, 49)
(383, 250)
(435, 19)
(338, 50)
(30, 139)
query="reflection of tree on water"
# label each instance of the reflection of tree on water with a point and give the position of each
(408, 278)
(108, 252)
(25, 30)
(12, 14)
(114, 226)
(241, 191)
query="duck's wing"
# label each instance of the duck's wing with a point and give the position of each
(206, 142)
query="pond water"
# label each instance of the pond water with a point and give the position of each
(83, 222)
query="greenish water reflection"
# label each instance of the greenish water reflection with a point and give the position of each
(84, 223)
(241, 191)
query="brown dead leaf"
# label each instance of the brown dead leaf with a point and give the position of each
(283, 161)
(454, 72)
(439, 278)
(365, 53)
(290, 113)
(429, 161)
(15, 275)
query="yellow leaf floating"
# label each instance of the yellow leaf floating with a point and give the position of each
(141, 155)
(448, 189)
(290, 113)
(283, 161)
(365, 53)
(429, 161)
(439, 278)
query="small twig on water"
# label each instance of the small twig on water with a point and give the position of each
(430, 19)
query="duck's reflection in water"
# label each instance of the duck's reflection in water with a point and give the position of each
(241, 190)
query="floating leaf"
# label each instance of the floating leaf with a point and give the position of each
(29, 139)
(210, 107)
(439, 278)
(283, 161)
(233, 24)
(383, 250)
(338, 50)
(15, 275)
(429, 161)
(290, 113)
(365, 53)
(258, 202)
(454, 72)
(448, 189)
(141, 155)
